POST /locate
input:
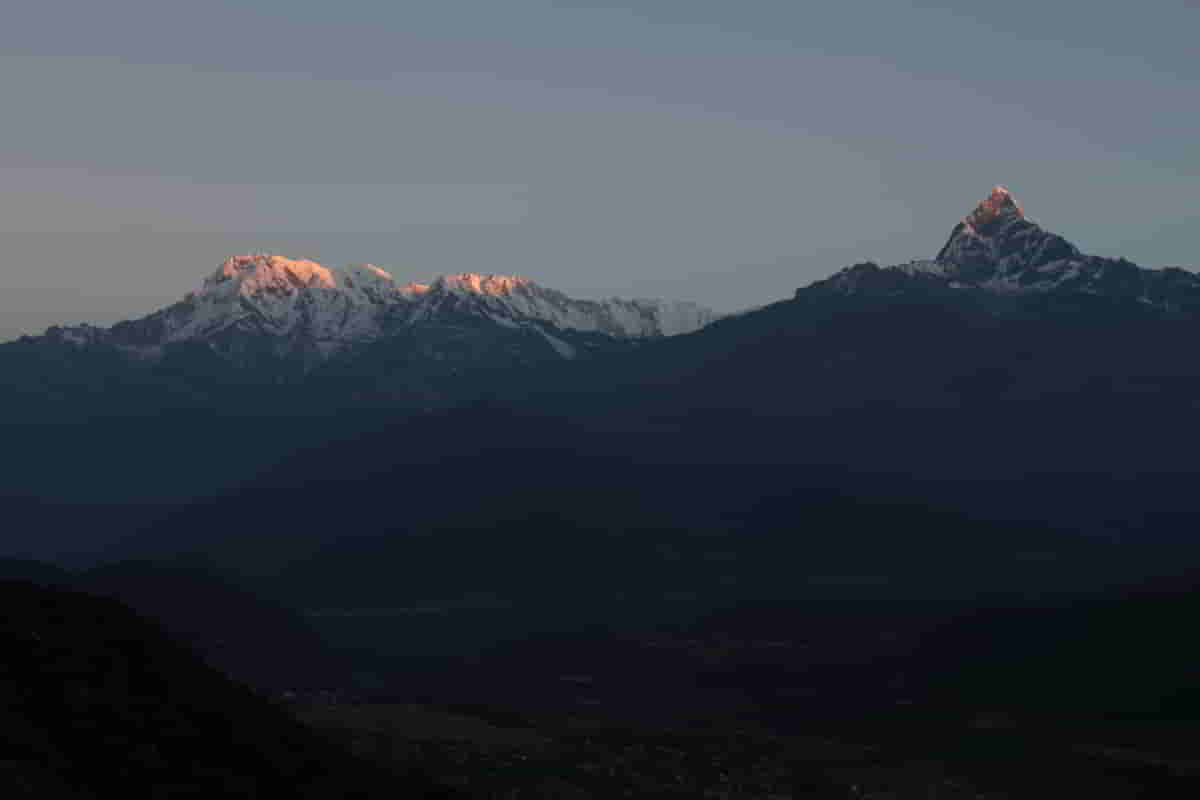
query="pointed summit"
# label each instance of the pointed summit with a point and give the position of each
(997, 242)
(1001, 194)
(999, 206)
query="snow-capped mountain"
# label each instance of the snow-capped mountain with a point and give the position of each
(268, 303)
(996, 248)
(510, 300)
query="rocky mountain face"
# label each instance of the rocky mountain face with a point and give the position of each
(268, 304)
(999, 250)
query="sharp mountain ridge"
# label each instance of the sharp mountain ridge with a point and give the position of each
(999, 250)
(301, 308)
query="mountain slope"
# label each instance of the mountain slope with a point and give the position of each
(269, 335)
(998, 249)
(245, 636)
(269, 304)
(98, 702)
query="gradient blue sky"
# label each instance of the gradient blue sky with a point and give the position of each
(722, 152)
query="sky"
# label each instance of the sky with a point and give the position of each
(705, 150)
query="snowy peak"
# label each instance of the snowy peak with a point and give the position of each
(997, 249)
(250, 274)
(258, 274)
(999, 207)
(997, 243)
(298, 307)
(515, 301)
(489, 284)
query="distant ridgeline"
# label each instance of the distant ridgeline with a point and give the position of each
(267, 336)
(350, 335)
(1011, 376)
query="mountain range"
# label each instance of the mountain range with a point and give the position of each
(1010, 352)
(264, 304)
(843, 414)
(1008, 423)
(262, 309)
(261, 326)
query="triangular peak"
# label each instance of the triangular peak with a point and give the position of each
(998, 205)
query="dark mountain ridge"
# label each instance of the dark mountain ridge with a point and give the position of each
(99, 702)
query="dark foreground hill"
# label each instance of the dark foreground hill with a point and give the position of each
(96, 701)
(249, 637)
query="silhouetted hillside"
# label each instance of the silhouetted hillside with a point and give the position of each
(98, 702)
(36, 572)
(245, 635)
(1124, 655)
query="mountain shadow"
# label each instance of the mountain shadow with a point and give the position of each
(98, 702)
